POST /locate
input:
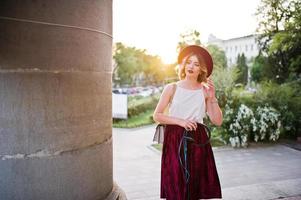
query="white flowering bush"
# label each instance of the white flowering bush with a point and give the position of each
(243, 124)
(240, 127)
(267, 124)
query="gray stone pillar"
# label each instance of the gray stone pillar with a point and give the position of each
(55, 100)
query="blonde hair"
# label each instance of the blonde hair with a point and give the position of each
(202, 77)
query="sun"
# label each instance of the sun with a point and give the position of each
(168, 57)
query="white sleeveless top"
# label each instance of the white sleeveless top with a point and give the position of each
(188, 104)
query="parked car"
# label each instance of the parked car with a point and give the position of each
(146, 92)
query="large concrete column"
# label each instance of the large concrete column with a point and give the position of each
(55, 100)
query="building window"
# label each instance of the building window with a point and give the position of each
(235, 48)
(246, 47)
(226, 49)
(251, 47)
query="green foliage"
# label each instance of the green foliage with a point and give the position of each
(244, 97)
(126, 59)
(229, 110)
(132, 64)
(242, 67)
(223, 77)
(271, 103)
(239, 125)
(190, 37)
(141, 119)
(170, 73)
(159, 147)
(261, 69)
(246, 120)
(140, 112)
(286, 98)
(280, 37)
(218, 56)
(266, 124)
(140, 105)
(224, 80)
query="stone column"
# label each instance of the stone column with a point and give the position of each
(55, 100)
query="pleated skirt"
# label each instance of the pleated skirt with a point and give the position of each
(203, 182)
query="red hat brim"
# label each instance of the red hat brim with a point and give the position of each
(200, 51)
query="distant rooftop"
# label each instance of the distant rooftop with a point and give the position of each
(212, 38)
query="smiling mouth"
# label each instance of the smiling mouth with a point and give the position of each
(190, 71)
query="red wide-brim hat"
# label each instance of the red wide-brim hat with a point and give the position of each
(200, 51)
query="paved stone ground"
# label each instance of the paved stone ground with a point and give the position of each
(263, 172)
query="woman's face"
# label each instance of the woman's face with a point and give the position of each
(192, 67)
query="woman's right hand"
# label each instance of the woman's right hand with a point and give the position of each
(189, 125)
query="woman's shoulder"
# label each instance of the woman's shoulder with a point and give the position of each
(169, 86)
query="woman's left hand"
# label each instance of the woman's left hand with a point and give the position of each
(209, 89)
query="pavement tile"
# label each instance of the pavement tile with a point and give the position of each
(261, 172)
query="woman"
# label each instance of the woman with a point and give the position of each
(188, 171)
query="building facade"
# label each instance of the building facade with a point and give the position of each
(233, 47)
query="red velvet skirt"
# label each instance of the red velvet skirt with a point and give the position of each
(203, 181)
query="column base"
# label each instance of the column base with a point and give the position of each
(116, 194)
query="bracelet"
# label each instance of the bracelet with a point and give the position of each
(214, 101)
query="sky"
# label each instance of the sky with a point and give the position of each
(156, 25)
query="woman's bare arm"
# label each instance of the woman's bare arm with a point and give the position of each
(212, 108)
(164, 100)
(214, 112)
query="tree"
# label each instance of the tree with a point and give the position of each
(170, 72)
(135, 66)
(127, 63)
(191, 37)
(242, 67)
(280, 37)
(154, 70)
(218, 56)
(262, 69)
